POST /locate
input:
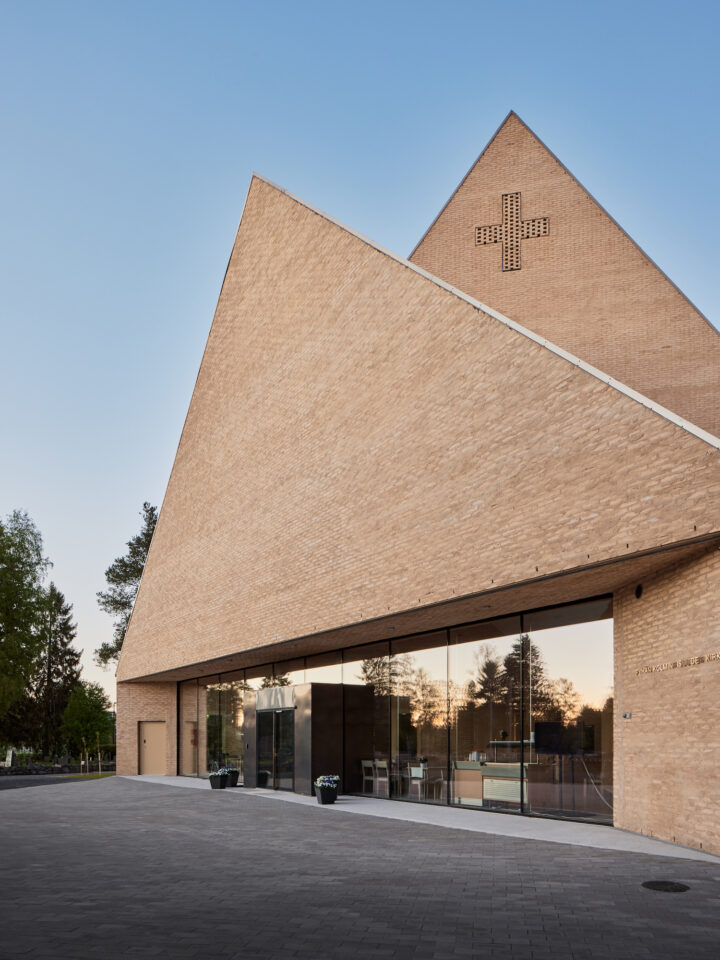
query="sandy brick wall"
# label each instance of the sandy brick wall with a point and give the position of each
(667, 756)
(585, 286)
(362, 441)
(145, 701)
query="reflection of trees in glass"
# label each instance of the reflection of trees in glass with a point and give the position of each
(587, 709)
(499, 683)
(596, 726)
(223, 721)
(487, 685)
(565, 700)
(234, 701)
(213, 726)
(525, 655)
(386, 674)
(457, 700)
(281, 680)
(428, 704)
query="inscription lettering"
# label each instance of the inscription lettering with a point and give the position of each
(676, 664)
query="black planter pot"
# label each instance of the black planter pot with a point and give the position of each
(233, 778)
(262, 778)
(218, 783)
(326, 794)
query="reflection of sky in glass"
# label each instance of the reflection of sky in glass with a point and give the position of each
(465, 658)
(583, 654)
(293, 677)
(580, 652)
(433, 662)
(329, 673)
(257, 678)
(353, 672)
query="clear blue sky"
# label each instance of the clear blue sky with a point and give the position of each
(129, 132)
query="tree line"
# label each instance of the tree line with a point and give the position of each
(495, 681)
(45, 705)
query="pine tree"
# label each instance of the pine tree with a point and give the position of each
(123, 578)
(58, 668)
(487, 686)
(22, 568)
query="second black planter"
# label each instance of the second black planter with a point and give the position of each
(326, 794)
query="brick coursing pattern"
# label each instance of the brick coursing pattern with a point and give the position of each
(585, 287)
(362, 441)
(667, 755)
(145, 701)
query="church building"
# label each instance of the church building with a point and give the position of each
(448, 527)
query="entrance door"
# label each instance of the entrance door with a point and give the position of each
(152, 751)
(189, 744)
(275, 749)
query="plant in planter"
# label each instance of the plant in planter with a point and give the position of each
(233, 775)
(218, 779)
(326, 788)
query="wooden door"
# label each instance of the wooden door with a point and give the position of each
(153, 747)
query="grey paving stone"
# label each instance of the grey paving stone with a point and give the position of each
(116, 868)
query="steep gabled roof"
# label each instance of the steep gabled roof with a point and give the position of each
(364, 438)
(517, 327)
(583, 283)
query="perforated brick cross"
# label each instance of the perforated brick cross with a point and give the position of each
(511, 231)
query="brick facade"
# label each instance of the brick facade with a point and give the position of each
(353, 421)
(667, 755)
(366, 445)
(137, 702)
(586, 286)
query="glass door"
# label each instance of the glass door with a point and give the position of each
(284, 749)
(265, 749)
(275, 749)
(570, 706)
(488, 721)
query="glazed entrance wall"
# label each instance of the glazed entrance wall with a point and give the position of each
(513, 714)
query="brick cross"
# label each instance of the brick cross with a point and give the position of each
(511, 231)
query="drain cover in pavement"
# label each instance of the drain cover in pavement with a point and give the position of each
(667, 886)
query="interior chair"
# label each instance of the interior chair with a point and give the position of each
(382, 778)
(417, 783)
(435, 778)
(368, 775)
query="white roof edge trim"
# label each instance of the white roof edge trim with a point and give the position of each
(646, 402)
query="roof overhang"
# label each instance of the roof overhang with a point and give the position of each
(566, 586)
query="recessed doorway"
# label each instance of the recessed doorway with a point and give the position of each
(275, 749)
(152, 747)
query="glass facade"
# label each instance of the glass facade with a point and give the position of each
(486, 715)
(419, 717)
(188, 732)
(275, 743)
(513, 714)
(211, 724)
(569, 769)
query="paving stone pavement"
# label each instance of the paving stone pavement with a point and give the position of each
(116, 868)
(13, 782)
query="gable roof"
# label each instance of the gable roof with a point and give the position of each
(585, 285)
(355, 419)
(627, 391)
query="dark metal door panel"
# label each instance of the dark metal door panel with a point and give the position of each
(284, 742)
(265, 749)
